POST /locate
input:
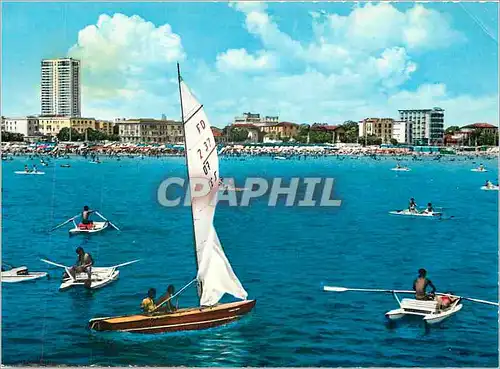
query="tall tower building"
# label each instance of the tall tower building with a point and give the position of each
(60, 85)
(427, 125)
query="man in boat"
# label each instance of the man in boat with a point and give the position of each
(481, 167)
(488, 184)
(429, 208)
(26, 169)
(412, 206)
(148, 304)
(86, 216)
(34, 168)
(83, 264)
(420, 285)
(167, 306)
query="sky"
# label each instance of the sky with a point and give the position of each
(306, 62)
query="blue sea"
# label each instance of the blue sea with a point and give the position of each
(283, 256)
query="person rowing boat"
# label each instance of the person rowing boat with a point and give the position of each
(420, 285)
(489, 184)
(86, 215)
(412, 206)
(83, 264)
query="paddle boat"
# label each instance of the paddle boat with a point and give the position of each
(99, 276)
(280, 158)
(479, 169)
(65, 166)
(428, 214)
(12, 274)
(431, 311)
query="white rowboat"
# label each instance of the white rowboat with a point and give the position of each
(416, 214)
(427, 309)
(491, 188)
(96, 227)
(28, 173)
(402, 169)
(20, 274)
(478, 170)
(99, 276)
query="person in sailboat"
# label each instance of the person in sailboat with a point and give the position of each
(148, 304)
(420, 286)
(83, 264)
(167, 306)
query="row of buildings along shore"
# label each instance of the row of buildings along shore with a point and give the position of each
(60, 106)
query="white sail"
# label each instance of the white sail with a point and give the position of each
(214, 271)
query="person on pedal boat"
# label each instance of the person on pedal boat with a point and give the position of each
(398, 166)
(26, 169)
(429, 209)
(83, 264)
(35, 169)
(412, 206)
(420, 285)
(481, 167)
(489, 184)
(167, 306)
(148, 304)
(86, 215)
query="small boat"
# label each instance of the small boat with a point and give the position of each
(417, 214)
(401, 169)
(95, 162)
(215, 276)
(19, 274)
(80, 228)
(478, 170)
(93, 227)
(280, 158)
(65, 166)
(489, 188)
(429, 310)
(99, 276)
(31, 173)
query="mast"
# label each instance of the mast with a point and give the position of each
(179, 79)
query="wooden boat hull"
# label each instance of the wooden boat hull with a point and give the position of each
(181, 320)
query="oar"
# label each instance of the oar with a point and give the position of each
(66, 222)
(127, 263)
(55, 264)
(115, 227)
(345, 289)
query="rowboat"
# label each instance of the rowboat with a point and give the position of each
(478, 170)
(80, 228)
(19, 274)
(407, 212)
(94, 227)
(215, 276)
(99, 276)
(23, 172)
(430, 310)
(489, 188)
(401, 169)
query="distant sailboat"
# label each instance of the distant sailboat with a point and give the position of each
(215, 276)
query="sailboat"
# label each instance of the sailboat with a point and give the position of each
(215, 276)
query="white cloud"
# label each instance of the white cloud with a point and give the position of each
(241, 60)
(125, 60)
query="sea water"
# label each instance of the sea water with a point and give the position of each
(282, 255)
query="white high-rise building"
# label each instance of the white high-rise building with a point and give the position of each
(427, 125)
(60, 87)
(401, 132)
